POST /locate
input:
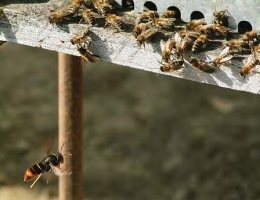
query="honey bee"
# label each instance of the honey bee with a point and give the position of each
(60, 14)
(145, 36)
(202, 65)
(199, 44)
(172, 65)
(51, 163)
(169, 14)
(164, 23)
(222, 31)
(251, 36)
(139, 28)
(223, 18)
(167, 49)
(88, 16)
(186, 43)
(147, 16)
(223, 57)
(86, 54)
(115, 21)
(103, 7)
(251, 63)
(208, 30)
(81, 37)
(194, 24)
(238, 46)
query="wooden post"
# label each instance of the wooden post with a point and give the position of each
(70, 125)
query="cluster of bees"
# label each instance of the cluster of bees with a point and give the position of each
(89, 11)
(196, 36)
(181, 42)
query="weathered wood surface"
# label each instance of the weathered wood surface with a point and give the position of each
(26, 22)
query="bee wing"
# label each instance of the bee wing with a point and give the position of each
(177, 38)
(150, 32)
(232, 24)
(226, 58)
(225, 51)
(58, 172)
(162, 44)
(249, 59)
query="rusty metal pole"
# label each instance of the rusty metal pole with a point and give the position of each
(70, 86)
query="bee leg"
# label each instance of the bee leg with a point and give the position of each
(117, 31)
(36, 180)
(106, 25)
(80, 20)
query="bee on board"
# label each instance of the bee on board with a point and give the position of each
(115, 21)
(224, 18)
(224, 57)
(252, 61)
(172, 65)
(202, 65)
(82, 36)
(89, 16)
(64, 12)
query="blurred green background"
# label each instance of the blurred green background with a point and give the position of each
(146, 136)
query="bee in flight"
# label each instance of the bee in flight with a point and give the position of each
(51, 163)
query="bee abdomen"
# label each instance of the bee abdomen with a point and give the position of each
(90, 19)
(35, 170)
(120, 24)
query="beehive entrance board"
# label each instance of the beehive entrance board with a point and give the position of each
(28, 24)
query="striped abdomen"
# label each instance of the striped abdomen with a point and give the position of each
(35, 170)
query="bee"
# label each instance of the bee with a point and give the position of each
(51, 163)
(208, 30)
(223, 57)
(164, 23)
(202, 65)
(103, 7)
(115, 21)
(167, 49)
(251, 36)
(186, 43)
(169, 14)
(81, 37)
(199, 44)
(139, 28)
(222, 31)
(86, 54)
(223, 18)
(251, 63)
(147, 16)
(88, 16)
(145, 36)
(195, 23)
(238, 46)
(172, 65)
(60, 14)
